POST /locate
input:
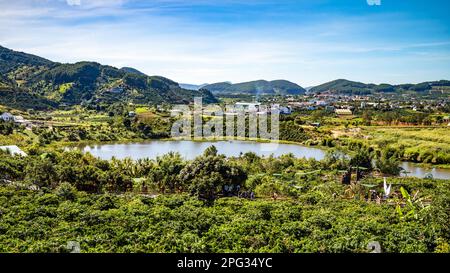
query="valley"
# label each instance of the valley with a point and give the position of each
(130, 186)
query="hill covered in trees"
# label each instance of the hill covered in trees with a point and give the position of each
(260, 87)
(28, 81)
(343, 86)
(133, 71)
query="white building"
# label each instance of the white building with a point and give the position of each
(247, 106)
(175, 112)
(7, 117)
(343, 112)
(13, 149)
(19, 119)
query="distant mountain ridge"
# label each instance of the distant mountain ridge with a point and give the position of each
(343, 86)
(29, 81)
(260, 87)
(133, 71)
(192, 86)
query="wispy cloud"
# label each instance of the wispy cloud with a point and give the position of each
(73, 2)
(201, 44)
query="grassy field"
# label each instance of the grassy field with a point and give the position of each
(21, 139)
(423, 135)
(427, 145)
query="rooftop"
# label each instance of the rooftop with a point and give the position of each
(343, 111)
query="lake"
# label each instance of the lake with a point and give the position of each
(192, 149)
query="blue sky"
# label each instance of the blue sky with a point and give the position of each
(201, 41)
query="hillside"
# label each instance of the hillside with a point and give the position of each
(260, 87)
(29, 81)
(132, 70)
(343, 86)
(12, 60)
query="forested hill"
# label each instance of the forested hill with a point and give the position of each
(29, 81)
(342, 86)
(132, 70)
(260, 87)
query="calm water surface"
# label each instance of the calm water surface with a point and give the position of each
(421, 172)
(191, 149)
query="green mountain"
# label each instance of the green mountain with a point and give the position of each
(12, 60)
(132, 70)
(342, 86)
(28, 81)
(261, 87)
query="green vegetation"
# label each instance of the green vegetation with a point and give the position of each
(214, 203)
(172, 205)
(12, 60)
(416, 145)
(20, 99)
(408, 142)
(31, 82)
(411, 136)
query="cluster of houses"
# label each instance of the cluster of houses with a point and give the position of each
(8, 117)
(315, 104)
(342, 105)
(294, 105)
(19, 120)
(256, 107)
(246, 107)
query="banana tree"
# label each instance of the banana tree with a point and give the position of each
(413, 207)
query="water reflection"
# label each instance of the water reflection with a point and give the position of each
(191, 149)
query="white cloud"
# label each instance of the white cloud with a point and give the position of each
(73, 2)
(96, 3)
(188, 50)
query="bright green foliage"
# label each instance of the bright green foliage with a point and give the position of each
(45, 222)
(299, 206)
(28, 81)
(207, 175)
